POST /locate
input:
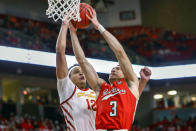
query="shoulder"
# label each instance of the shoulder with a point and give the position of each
(65, 80)
(65, 84)
(66, 89)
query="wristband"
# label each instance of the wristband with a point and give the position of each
(101, 29)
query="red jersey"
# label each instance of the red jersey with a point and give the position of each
(116, 106)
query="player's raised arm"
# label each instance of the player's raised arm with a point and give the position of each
(117, 48)
(145, 74)
(61, 63)
(90, 73)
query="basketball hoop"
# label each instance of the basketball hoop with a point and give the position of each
(64, 10)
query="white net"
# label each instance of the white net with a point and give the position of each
(64, 10)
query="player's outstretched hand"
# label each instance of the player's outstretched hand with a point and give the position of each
(145, 74)
(72, 28)
(93, 18)
(65, 22)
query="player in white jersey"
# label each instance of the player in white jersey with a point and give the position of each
(77, 101)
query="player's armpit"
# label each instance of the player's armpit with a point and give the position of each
(134, 89)
(100, 83)
(98, 88)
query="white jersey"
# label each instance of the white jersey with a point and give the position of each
(78, 105)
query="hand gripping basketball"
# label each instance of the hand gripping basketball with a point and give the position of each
(85, 22)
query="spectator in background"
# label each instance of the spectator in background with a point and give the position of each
(28, 124)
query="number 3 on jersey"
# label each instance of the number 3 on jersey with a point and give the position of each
(91, 104)
(114, 108)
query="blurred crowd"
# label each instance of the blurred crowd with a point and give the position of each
(163, 46)
(29, 123)
(54, 121)
(158, 45)
(176, 124)
(36, 35)
(155, 45)
(26, 33)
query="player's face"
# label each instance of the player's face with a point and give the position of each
(116, 73)
(77, 76)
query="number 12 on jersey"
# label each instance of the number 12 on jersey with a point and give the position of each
(114, 108)
(91, 104)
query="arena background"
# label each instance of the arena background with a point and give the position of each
(30, 90)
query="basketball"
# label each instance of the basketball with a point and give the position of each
(85, 22)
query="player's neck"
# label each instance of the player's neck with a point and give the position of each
(113, 80)
(82, 86)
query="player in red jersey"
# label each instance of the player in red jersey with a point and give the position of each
(117, 101)
(95, 82)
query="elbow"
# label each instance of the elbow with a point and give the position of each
(60, 49)
(81, 60)
(120, 52)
